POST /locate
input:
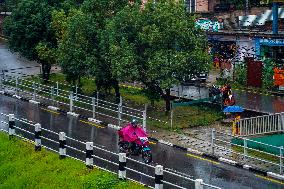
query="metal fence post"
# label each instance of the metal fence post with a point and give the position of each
(34, 91)
(3, 73)
(198, 183)
(57, 88)
(245, 148)
(37, 137)
(145, 118)
(119, 111)
(11, 125)
(97, 101)
(172, 115)
(71, 101)
(89, 155)
(62, 145)
(1, 81)
(52, 94)
(121, 166)
(282, 121)
(94, 107)
(281, 159)
(17, 85)
(159, 177)
(212, 140)
(76, 91)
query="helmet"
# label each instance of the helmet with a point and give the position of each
(134, 122)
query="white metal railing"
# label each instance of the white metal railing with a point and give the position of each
(198, 183)
(260, 125)
(225, 141)
(94, 105)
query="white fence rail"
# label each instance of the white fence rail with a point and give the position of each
(75, 101)
(248, 149)
(30, 131)
(260, 125)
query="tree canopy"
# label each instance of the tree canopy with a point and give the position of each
(157, 46)
(113, 40)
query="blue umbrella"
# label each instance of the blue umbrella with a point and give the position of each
(233, 109)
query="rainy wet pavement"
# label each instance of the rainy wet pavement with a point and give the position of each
(9, 60)
(214, 173)
(261, 103)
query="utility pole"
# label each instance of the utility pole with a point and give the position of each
(275, 18)
(247, 8)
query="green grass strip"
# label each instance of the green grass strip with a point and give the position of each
(21, 167)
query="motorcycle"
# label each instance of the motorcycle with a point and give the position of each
(140, 146)
(227, 97)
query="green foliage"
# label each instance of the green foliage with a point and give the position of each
(75, 51)
(9, 5)
(157, 46)
(267, 73)
(21, 167)
(28, 25)
(240, 73)
(46, 53)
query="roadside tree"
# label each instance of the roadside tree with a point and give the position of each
(28, 26)
(157, 46)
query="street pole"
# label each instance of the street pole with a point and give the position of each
(247, 8)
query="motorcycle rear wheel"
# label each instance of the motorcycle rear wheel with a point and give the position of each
(147, 156)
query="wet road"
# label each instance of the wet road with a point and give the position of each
(214, 173)
(250, 101)
(259, 102)
(9, 60)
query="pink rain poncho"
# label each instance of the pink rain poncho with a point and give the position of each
(131, 134)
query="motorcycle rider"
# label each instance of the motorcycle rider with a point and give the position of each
(132, 126)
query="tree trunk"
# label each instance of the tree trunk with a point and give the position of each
(168, 100)
(116, 88)
(45, 71)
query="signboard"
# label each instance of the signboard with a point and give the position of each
(208, 25)
(272, 42)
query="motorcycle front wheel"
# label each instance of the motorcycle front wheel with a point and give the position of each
(147, 156)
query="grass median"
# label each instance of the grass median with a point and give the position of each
(21, 167)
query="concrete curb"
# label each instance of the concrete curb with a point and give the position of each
(165, 142)
(53, 108)
(228, 161)
(276, 176)
(113, 126)
(73, 114)
(34, 102)
(16, 96)
(94, 120)
(193, 151)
